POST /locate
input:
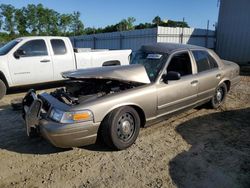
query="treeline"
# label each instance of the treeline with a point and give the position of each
(128, 24)
(39, 20)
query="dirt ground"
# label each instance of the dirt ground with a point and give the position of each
(199, 148)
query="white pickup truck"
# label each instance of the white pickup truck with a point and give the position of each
(33, 60)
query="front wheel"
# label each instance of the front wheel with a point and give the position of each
(3, 89)
(219, 96)
(121, 128)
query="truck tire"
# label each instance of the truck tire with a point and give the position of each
(3, 89)
(121, 127)
(219, 96)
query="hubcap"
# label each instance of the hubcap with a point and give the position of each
(125, 127)
(219, 95)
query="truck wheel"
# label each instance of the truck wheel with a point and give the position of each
(121, 127)
(219, 96)
(3, 89)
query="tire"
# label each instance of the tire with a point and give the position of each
(121, 127)
(219, 96)
(33, 133)
(3, 89)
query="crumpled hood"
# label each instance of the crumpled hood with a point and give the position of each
(130, 73)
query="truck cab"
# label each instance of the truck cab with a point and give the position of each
(34, 60)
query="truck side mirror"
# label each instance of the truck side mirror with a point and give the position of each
(171, 75)
(19, 53)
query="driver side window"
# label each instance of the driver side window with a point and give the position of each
(34, 48)
(180, 63)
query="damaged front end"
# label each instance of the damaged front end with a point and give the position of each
(53, 115)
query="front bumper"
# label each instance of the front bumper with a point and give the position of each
(60, 135)
(69, 135)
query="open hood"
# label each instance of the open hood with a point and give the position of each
(128, 73)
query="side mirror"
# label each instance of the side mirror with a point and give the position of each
(171, 75)
(19, 53)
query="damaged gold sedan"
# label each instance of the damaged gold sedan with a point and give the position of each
(114, 102)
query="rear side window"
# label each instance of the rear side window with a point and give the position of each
(204, 61)
(212, 62)
(58, 46)
(34, 48)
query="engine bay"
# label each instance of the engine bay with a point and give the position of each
(79, 91)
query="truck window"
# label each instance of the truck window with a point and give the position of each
(34, 48)
(204, 60)
(180, 63)
(58, 46)
(7, 47)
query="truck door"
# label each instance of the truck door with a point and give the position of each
(31, 63)
(63, 57)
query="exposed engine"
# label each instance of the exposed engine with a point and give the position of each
(78, 91)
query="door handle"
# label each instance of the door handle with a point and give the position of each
(218, 76)
(194, 82)
(45, 61)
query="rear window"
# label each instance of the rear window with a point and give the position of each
(58, 46)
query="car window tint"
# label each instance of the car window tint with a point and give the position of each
(212, 62)
(58, 46)
(202, 61)
(34, 48)
(180, 63)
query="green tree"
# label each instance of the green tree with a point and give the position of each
(126, 24)
(1, 21)
(64, 23)
(144, 26)
(21, 21)
(42, 20)
(157, 20)
(130, 22)
(8, 11)
(77, 26)
(32, 20)
(52, 18)
(122, 25)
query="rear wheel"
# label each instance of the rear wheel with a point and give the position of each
(3, 89)
(219, 96)
(121, 128)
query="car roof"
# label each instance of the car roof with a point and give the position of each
(168, 47)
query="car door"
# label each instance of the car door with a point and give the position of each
(33, 66)
(63, 57)
(178, 94)
(208, 74)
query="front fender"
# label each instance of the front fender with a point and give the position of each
(5, 72)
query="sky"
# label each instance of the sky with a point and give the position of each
(100, 13)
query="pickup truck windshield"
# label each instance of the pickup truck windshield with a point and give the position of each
(153, 62)
(7, 47)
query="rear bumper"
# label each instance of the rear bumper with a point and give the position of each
(69, 135)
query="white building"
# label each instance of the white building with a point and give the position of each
(135, 38)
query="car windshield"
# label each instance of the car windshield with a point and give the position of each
(7, 47)
(152, 62)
